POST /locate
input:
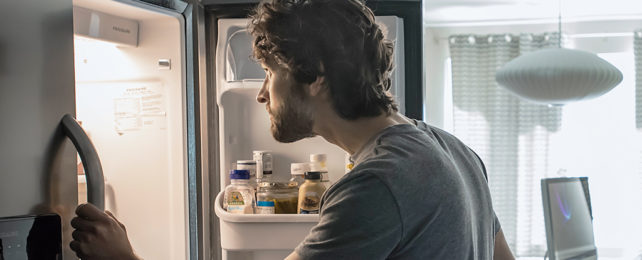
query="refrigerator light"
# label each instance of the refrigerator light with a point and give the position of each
(106, 27)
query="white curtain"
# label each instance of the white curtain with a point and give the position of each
(509, 134)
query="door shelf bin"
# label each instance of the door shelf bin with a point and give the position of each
(262, 231)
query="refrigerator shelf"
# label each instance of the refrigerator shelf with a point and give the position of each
(252, 85)
(262, 231)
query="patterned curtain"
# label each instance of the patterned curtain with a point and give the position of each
(511, 135)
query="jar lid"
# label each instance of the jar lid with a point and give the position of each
(276, 186)
(313, 175)
(318, 157)
(247, 165)
(239, 174)
(299, 168)
(317, 167)
(246, 162)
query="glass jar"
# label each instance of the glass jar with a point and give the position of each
(276, 198)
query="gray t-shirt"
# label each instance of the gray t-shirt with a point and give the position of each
(416, 192)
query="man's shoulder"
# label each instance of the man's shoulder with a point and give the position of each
(435, 132)
(361, 177)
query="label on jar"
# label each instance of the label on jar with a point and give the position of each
(238, 209)
(310, 203)
(236, 204)
(265, 207)
(235, 198)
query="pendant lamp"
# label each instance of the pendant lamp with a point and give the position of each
(557, 76)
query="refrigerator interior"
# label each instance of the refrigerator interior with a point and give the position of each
(244, 126)
(130, 100)
(243, 122)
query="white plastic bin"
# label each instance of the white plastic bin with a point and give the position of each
(261, 236)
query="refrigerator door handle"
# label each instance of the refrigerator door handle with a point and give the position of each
(90, 160)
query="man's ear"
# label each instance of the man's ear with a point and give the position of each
(317, 86)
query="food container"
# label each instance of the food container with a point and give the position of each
(276, 198)
(273, 236)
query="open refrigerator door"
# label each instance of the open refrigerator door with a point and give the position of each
(130, 97)
(244, 126)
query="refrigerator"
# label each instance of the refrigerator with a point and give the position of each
(159, 103)
(120, 81)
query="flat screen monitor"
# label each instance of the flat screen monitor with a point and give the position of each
(568, 218)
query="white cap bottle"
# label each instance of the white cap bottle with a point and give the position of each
(318, 164)
(250, 166)
(263, 164)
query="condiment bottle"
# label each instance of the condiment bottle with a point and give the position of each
(310, 193)
(297, 170)
(263, 165)
(318, 164)
(239, 195)
(250, 166)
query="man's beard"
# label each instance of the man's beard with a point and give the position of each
(292, 122)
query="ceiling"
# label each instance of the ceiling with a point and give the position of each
(438, 12)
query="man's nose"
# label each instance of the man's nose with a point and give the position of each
(263, 95)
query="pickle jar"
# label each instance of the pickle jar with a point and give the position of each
(276, 198)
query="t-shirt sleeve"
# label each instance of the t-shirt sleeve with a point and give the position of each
(496, 225)
(359, 219)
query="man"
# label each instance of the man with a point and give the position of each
(416, 192)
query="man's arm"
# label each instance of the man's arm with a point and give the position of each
(502, 251)
(359, 221)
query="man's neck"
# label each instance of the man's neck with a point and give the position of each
(352, 135)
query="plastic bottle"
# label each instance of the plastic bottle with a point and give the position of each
(250, 166)
(349, 164)
(239, 195)
(310, 193)
(297, 170)
(263, 165)
(318, 164)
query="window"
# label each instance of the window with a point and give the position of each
(596, 138)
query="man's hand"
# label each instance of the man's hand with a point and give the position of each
(99, 235)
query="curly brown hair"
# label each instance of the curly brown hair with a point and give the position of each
(337, 39)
